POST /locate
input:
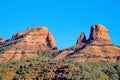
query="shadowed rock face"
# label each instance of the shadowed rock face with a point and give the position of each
(99, 31)
(81, 39)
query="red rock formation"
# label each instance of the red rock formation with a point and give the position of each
(1, 41)
(98, 44)
(39, 35)
(81, 39)
(99, 31)
(30, 42)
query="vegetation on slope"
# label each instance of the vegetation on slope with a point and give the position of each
(45, 67)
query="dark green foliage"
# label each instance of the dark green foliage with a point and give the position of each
(1, 77)
(16, 78)
(55, 54)
(84, 56)
(8, 45)
(45, 67)
(113, 71)
(91, 56)
(46, 53)
(101, 45)
(118, 57)
(107, 57)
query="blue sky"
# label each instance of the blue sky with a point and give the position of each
(66, 19)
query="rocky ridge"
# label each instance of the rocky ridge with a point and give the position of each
(99, 31)
(28, 43)
(96, 48)
(31, 42)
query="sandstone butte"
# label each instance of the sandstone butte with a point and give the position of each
(98, 47)
(26, 43)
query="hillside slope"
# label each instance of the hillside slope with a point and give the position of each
(27, 44)
(98, 47)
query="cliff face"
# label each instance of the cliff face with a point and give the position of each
(81, 39)
(99, 31)
(28, 43)
(98, 44)
(39, 35)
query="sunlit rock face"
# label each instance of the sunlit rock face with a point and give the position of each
(1, 41)
(28, 43)
(99, 31)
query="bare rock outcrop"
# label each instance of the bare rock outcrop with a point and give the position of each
(99, 31)
(98, 44)
(40, 35)
(81, 39)
(31, 41)
(1, 41)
